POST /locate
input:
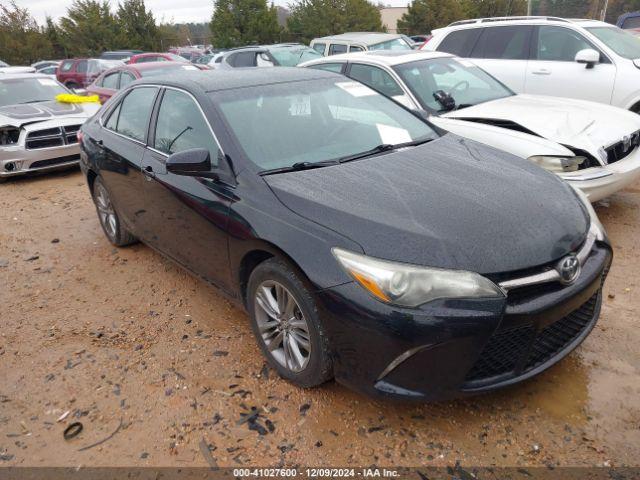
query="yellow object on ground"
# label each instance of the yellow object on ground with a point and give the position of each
(73, 98)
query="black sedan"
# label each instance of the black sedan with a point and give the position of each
(365, 244)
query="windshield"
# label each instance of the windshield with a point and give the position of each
(443, 84)
(283, 124)
(28, 90)
(621, 42)
(395, 44)
(291, 56)
(2, 64)
(150, 72)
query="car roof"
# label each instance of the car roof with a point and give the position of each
(368, 38)
(519, 20)
(217, 80)
(152, 65)
(381, 57)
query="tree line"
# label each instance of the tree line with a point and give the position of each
(93, 26)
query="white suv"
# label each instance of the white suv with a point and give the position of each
(583, 59)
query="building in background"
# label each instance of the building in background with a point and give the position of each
(390, 17)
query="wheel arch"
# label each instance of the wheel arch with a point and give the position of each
(258, 254)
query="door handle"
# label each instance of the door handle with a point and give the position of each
(542, 71)
(148, 172)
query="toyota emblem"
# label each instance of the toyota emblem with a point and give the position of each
(569, 269)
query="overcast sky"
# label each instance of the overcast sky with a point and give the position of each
(164, 10)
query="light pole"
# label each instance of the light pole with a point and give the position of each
(529, 8)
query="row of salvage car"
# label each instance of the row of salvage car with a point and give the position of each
(592, 146)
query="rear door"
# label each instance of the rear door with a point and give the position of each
(503, 51)
(186, 216)
(123, 144)
(553, 70)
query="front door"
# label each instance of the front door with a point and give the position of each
(187, 216)
(553, 70)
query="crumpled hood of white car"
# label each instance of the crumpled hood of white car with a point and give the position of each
(21, 114)
(577, 123)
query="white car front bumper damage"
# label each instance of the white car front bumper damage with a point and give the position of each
(600, 182)
(43, 146)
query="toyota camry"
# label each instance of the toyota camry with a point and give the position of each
(365, 244)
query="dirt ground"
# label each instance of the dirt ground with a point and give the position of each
(124, 341)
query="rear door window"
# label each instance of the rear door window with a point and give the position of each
(82, 66)
(355, 48)
(133, 113)
(336, 48)
(460, 42)
(506, 43)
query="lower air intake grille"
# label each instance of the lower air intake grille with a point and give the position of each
(516, 351)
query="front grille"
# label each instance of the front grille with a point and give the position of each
(623, 148)
(518, 350)
(54, 161)
(52, 137)
(524, 294)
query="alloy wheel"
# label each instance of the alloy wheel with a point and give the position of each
(106, 213)
(282, 325)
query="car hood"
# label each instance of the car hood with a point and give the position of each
(451, 203)
(22, 114)
(576, 123)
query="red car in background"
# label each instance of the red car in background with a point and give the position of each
(81, 72)
(156, 57)
(113, 80)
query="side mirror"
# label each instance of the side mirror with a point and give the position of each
(588, 56)
(193, 162)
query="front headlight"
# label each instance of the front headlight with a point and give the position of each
(557, 164)
(411, 286)
(596, 225)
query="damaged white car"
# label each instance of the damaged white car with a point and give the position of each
(594, 147)
(38, 133)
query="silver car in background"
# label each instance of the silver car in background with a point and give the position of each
(38, 133)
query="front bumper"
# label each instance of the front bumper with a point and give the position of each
(453, 348)
(600, 182)
(19, 161)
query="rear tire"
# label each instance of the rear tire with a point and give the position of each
(110, 222)
(287, 326)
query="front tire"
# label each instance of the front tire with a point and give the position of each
(287, 326)
(117, 234)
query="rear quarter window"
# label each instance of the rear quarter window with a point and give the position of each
(460, 42)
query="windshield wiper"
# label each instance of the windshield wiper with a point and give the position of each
(384, 147)
(35, 101)
(296, 167)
